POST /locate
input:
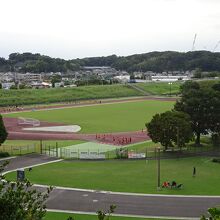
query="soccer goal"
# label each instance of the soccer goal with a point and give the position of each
(28, 121)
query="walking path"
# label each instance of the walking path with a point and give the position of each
(89, 201)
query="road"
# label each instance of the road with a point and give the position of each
(131, 204)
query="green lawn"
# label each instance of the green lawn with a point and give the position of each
(118, 117)
(64, 216)
(160, 88)
(138, 176)
(60, 143)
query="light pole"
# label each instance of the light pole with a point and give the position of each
(170, 83)
(158, 168)
(178, 138)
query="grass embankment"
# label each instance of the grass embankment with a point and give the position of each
(160, 88)
(130, 116)
(64, 216)
(55, 95)
(138, 176)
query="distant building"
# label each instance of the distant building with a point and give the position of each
(168, 78)
(27, 77)
(123, 78)
(40, 85)
(7, 85)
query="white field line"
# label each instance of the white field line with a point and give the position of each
(122, 215)
(126, 193)
(36, 165)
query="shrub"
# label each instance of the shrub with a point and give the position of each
(4, 154)
(216, 160)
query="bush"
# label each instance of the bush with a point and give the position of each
(4, 154)
(216, 160)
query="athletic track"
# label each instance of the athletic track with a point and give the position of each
(16, 131)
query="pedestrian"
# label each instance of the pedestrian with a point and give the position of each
(194, 171)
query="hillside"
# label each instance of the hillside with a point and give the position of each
(153, 61)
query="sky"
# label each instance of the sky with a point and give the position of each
(72, 29)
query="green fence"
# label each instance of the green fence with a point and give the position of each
(20, 150)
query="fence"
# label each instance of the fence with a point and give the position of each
(149, 153)
(117, 153)
(20, 150)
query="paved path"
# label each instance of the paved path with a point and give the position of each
(29, 160)
(133, 204)
(148, 205)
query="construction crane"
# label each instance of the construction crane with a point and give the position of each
(194, 41)
(216, 46)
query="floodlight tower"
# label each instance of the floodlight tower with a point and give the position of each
(216, 46)
(194, 41)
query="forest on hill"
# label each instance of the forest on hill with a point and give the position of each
(152, 61)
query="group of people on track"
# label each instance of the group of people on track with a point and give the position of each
(115, 139)
(11, 108)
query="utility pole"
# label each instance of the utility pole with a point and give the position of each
(216, 46)
(158, 168)
(170, 83)
(178, 137)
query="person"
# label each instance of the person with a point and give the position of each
(173, 184)
(194, 171)
(166, 184)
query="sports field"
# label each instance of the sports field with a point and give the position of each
(120, 117)
(138, 176)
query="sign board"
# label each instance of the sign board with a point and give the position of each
(132, 155)
(92, 156)
(20, 175)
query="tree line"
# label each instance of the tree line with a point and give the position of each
(153, 61)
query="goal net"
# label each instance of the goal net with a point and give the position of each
(28, 121)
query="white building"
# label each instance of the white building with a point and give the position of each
(169, 78)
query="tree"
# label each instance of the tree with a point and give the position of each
(3, 132)
(214, 214)
(19, 201)
(170, 128)
(202, 105)
(0, 86)
(55, 79)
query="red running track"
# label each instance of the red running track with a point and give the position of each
(16, 132)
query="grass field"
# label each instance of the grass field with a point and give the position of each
(64, 216)
(138, 176)
(54, 95)
(60, 143)
(130, 116)
(160, 88)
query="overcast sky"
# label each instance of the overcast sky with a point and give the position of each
(82, 28)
